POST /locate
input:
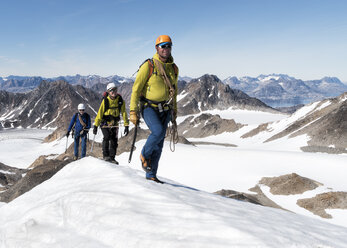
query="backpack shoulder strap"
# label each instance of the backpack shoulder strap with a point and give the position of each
(74, 122)
(107, 105)
(81, 121)
(175, 69)
(120, 102)
(151, 68)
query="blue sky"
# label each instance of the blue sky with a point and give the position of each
(306, 39)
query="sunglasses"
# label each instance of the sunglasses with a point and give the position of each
(113, 90)
(82, 110)
(165, 46)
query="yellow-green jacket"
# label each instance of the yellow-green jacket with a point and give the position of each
(155, 88)
(112, 113)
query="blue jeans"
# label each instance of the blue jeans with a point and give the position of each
(83, 144)
(157, 124)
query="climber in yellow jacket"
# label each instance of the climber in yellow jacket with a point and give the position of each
(154, 94)
(108, 117)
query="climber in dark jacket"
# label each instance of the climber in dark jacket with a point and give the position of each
(80, 123)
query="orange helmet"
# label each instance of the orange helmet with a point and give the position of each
(162, 39)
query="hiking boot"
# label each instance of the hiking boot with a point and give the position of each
(155, 179)
(146, 163)
(114, 161)
(107, 158)
(75, 158)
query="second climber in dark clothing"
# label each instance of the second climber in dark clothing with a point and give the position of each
(108, 118)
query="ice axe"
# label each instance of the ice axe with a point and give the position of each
(133, 143)
(91, 148)
(67, 138)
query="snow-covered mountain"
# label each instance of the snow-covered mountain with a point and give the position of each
(91, 80)
(321, 126)
(208, 93)
(279, 90)
(19, 83)
(51, 105)
(26, 83)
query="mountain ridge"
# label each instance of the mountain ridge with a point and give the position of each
(281, 90)
(276, 90)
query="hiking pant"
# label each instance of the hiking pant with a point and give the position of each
(109, 142)
(77, 144)
(157, 124)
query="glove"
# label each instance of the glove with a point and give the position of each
(67, 134)
(133, 117)
(95, 130)
(126, 130)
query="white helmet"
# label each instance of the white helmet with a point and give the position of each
(81, 106)
(110, 86)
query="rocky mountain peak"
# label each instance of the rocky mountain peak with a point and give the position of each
(209, 92)
(50, 105)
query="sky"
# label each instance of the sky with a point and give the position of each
(304, 39)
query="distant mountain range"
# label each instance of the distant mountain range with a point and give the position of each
(52, 104)
(25, 84)
(276, 90)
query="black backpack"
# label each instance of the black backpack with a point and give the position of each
(107, 104)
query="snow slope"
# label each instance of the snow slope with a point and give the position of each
(92, 203)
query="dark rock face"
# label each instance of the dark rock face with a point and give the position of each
(206, 125)
(51, 105)
(9, 176)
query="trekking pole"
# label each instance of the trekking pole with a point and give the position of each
(133, 143)
(67, 138)
(91, 148)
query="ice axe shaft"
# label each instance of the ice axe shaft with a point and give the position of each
(91, 148)
(133, 143)
(67, 138)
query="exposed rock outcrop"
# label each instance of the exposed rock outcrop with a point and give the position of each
(9, 176)
(258, 198)
(321, 202)
(206, 125)
(290, 184)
